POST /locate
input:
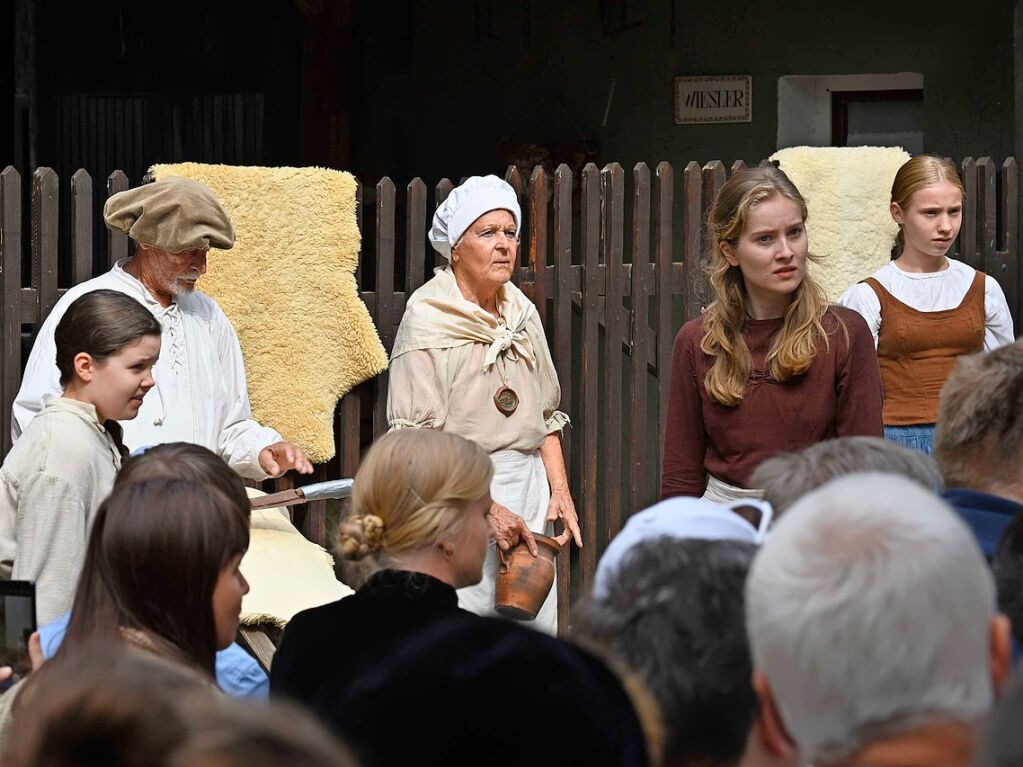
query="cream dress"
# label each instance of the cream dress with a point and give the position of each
(450, 358)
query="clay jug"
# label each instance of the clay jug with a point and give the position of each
(523, 581)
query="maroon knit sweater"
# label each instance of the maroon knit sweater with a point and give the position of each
(839, 396)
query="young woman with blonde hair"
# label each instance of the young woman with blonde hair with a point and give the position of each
(770, 366)
(419, 514)
(923, 308)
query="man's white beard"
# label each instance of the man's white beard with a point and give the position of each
(182, 287)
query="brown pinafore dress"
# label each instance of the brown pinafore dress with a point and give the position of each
(917, 351)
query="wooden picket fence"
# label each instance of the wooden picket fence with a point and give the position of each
(612, 264)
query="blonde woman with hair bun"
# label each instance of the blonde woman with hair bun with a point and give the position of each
(770, 366)
(420, 516)
(924, 309)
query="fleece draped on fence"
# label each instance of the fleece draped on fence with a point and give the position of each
(847, 191)
(289, 288)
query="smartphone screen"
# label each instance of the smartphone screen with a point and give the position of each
(17, 623)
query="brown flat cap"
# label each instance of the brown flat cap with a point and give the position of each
(174, 214)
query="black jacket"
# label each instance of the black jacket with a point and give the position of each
(404, 677)
(322, 648)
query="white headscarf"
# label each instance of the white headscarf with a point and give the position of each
(466, 203)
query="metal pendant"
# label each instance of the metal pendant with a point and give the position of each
(507, 400)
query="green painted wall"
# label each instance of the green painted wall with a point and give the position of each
(439, 99)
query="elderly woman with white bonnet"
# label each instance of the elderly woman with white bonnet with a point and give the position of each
(471, 357)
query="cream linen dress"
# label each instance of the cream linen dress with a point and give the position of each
(449, 360)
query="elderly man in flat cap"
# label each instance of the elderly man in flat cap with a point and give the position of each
(200, 393)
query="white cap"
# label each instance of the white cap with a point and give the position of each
(681, 518)
(466, 203)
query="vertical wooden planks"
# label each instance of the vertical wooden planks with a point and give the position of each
(590, 228)
(663, 201)
(692, 241)
(538, 240)
(612, 245)
(713, 180)
(1010, 234)
(562, 349)
(968, 252)
(514, 178)
(638, 432)
(10, 292)
(81, 226)
(384, 291)
(117, 242)
(415, 236)
(348, 415)
(986, 206)
(45, 188)
(988, 240)
(313, 522)
(441, 192)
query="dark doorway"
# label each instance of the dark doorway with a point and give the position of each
(878, 118)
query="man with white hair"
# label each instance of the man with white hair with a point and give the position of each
(872, 623)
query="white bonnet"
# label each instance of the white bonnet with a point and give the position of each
(466, 203)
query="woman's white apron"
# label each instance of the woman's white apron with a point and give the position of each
(520, 484)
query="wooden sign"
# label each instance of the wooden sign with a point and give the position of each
(726, 99)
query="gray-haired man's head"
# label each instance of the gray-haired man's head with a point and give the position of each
(871, 610)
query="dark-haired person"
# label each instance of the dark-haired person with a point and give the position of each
(201, 395)
(56, 476)
(133, 586)
(672, 611)
(238, 673)
(161, 575)
(471, 690)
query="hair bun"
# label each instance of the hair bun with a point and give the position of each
(361, 535)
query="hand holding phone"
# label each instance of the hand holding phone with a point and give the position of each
(17, 627)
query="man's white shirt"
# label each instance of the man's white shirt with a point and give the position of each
(200, 394)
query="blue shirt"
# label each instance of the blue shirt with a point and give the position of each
(987, 515)
(238, 673)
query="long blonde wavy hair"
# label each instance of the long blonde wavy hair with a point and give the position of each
(411, 491)
(794, 346)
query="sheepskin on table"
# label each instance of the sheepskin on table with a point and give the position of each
(286, 572)
(288, 287)
(847, 191)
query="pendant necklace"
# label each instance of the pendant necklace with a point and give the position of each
(506, 400)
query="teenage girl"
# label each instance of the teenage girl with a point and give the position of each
(54, 479)
(923, 308)
(770, 366)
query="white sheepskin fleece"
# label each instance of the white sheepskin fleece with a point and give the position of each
(847, 191)
(286, 572)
